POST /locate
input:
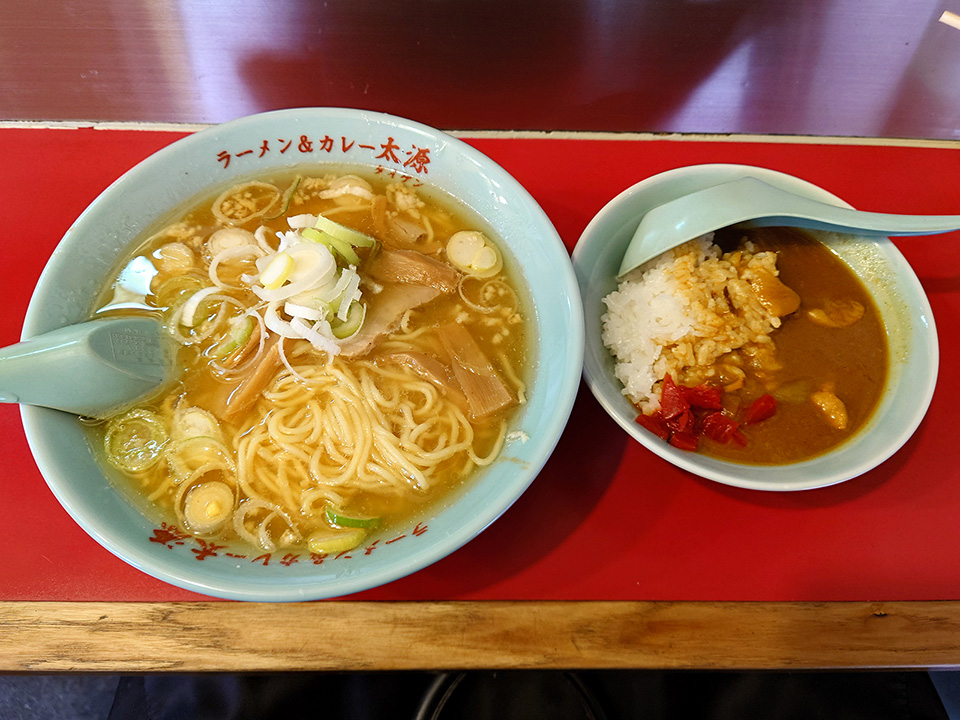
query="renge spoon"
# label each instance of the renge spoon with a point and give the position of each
(93, 368)
(750, 202)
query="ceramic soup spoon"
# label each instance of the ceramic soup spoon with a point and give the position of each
(753, 203)
(94, 368)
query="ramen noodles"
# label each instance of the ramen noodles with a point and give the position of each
(351, 349)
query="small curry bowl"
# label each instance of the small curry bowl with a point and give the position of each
(900, 299)
(100, 500)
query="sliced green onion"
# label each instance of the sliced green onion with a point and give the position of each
(351, 292)
(345, 250)
(134, 441)
(191, 422)
(346, 328)
(313, 314)
(337, 517)
(332, 243)
(199, 453)
(313, 235)
(472, 252)
(176, 287)
(309, 306)
(238, 337)
(277, 272)
(288, 197)
(244, 202)
(344, 233)
(188, 317)
(335, 541)
(208, 506)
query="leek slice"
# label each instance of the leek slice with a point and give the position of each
(238, 337)
(244, 202)
(339, 518)
(196, 456)
(335, 541)
(172, 290)
(188, 317)
(351, 293)
(291, 191)
(135, 440)
(347, 290)
(191, 422)
(344, 233)
(208, 506)
(472, 252)
(304, 311)
(313, 266)
(334, 244)
(277, 272)
(352, 324)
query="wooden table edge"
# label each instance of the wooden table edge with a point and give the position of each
(135, 637)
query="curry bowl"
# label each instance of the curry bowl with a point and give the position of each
(903, 308)
(399, 153)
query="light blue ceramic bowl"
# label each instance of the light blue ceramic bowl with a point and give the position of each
(216, 156)
(912, 336)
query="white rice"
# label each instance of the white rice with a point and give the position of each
(684, 310)
(643, 315)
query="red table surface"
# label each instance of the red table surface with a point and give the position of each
(605, 519)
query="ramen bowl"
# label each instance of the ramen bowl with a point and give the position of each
(902, 304)
(100, 501)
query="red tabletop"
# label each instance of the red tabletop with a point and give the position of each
(606, 519)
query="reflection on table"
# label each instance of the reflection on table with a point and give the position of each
(812, 67)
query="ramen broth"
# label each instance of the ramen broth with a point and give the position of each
(311, 420)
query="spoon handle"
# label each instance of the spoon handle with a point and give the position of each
(779, 207)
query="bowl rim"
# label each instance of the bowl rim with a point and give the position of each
(793, 477)
(566, 359)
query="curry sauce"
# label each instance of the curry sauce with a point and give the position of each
(831, 359)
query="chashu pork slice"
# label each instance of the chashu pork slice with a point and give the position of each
(384, 312)
(410, 266)
(485, 391)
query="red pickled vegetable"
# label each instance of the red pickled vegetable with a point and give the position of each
(719, 427)
(704, 397)
(672, 400)
(687, 413)
(682, 423)
(655, 424)
(763, 408)
(684, 440)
